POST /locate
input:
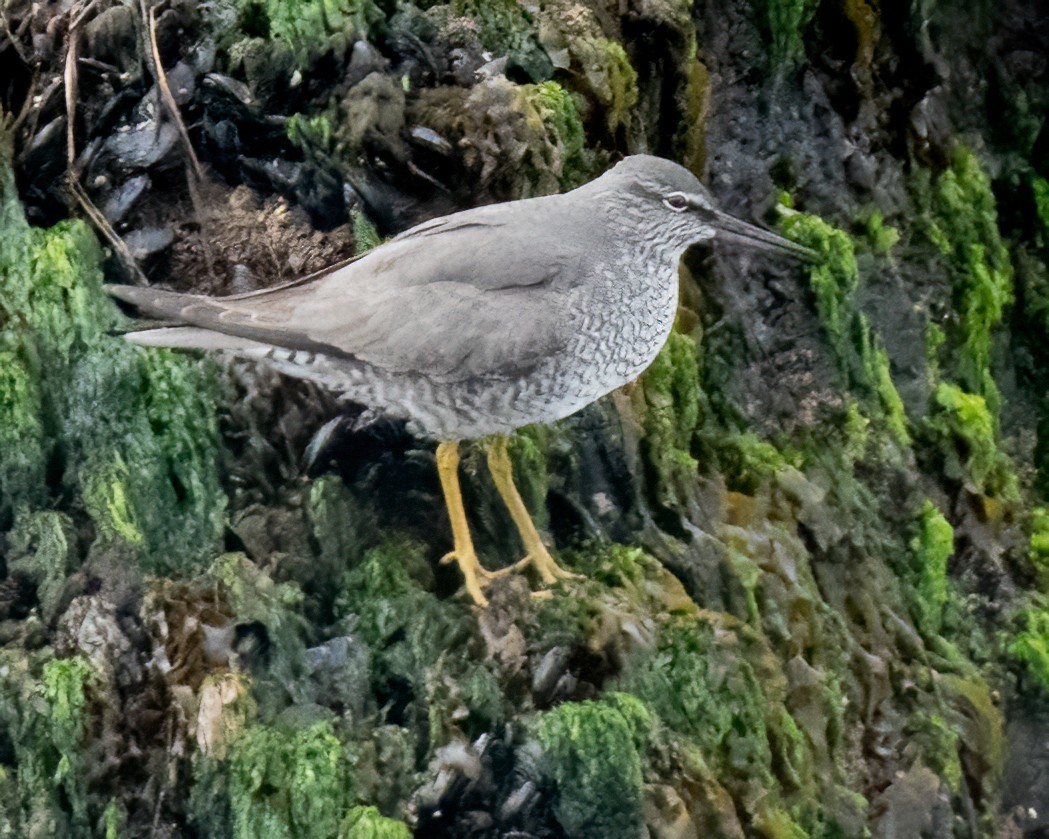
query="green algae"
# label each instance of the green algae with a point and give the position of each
(882, 237)
(961, 220)
(23, 464)
(558, 109)
(506, 28)
(388, 597)
(44, 710)
(131, 436)
(591, 753)
(1040, 190)
(529, 452)
(42, 548)
(965, 422)
(787, 21)
(1030, 645)
(672, 415)
(859, 353)
(294, 783)
(369, 823)
(1039, 549)
(931, 548)
(310, 27)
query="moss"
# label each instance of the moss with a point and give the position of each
(368, 823)
(859, 353)
(23, 446)
(962, 221)
(707, 692)
(747, 462)
(310, 27)
(506, 28)
(966, 426)
(672, 414)
(1039, 551)
(1040, 190)
(787, 20)
(881, 236)
(288, 783)
(590, 752)
(42, 548)
(1030, 645)
(559, 111)
(931, 547)
(131, 436)
(529, 451)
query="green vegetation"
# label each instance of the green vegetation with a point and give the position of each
(860, 356)
(288, 783)
(1030, 646)
(787, 20)
(368, 823)
(310, 27)
(591, 753)
(962, 221)
(931, 547)
(964, 421)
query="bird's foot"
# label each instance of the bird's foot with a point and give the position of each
(475, 575)
(550, 572)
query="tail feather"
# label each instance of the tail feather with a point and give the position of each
(192, 337)
(154, 302)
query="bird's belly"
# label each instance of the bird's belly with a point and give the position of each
(607, 350)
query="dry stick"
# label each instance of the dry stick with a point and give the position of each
(165, 92)
(195, 173)
(121, 250)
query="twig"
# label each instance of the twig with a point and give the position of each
(13, 39)
(72, 176)
(165, 92)
(72, 48)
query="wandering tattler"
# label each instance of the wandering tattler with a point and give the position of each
(475, 324)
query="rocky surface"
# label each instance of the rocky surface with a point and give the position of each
(814, 535)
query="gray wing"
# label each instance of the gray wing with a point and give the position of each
(466, 296)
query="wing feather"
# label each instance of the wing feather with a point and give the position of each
(483, 299)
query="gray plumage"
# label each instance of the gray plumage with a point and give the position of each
(482, 321)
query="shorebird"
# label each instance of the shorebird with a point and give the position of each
(474, 324)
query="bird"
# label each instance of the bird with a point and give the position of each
(472, 325)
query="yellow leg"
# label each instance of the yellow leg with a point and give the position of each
(462, 551)
(535, 551)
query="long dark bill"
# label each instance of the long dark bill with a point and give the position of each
(732, 229)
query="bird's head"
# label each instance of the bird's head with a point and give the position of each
(683, 208)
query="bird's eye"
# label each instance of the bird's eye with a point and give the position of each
(677, 202)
